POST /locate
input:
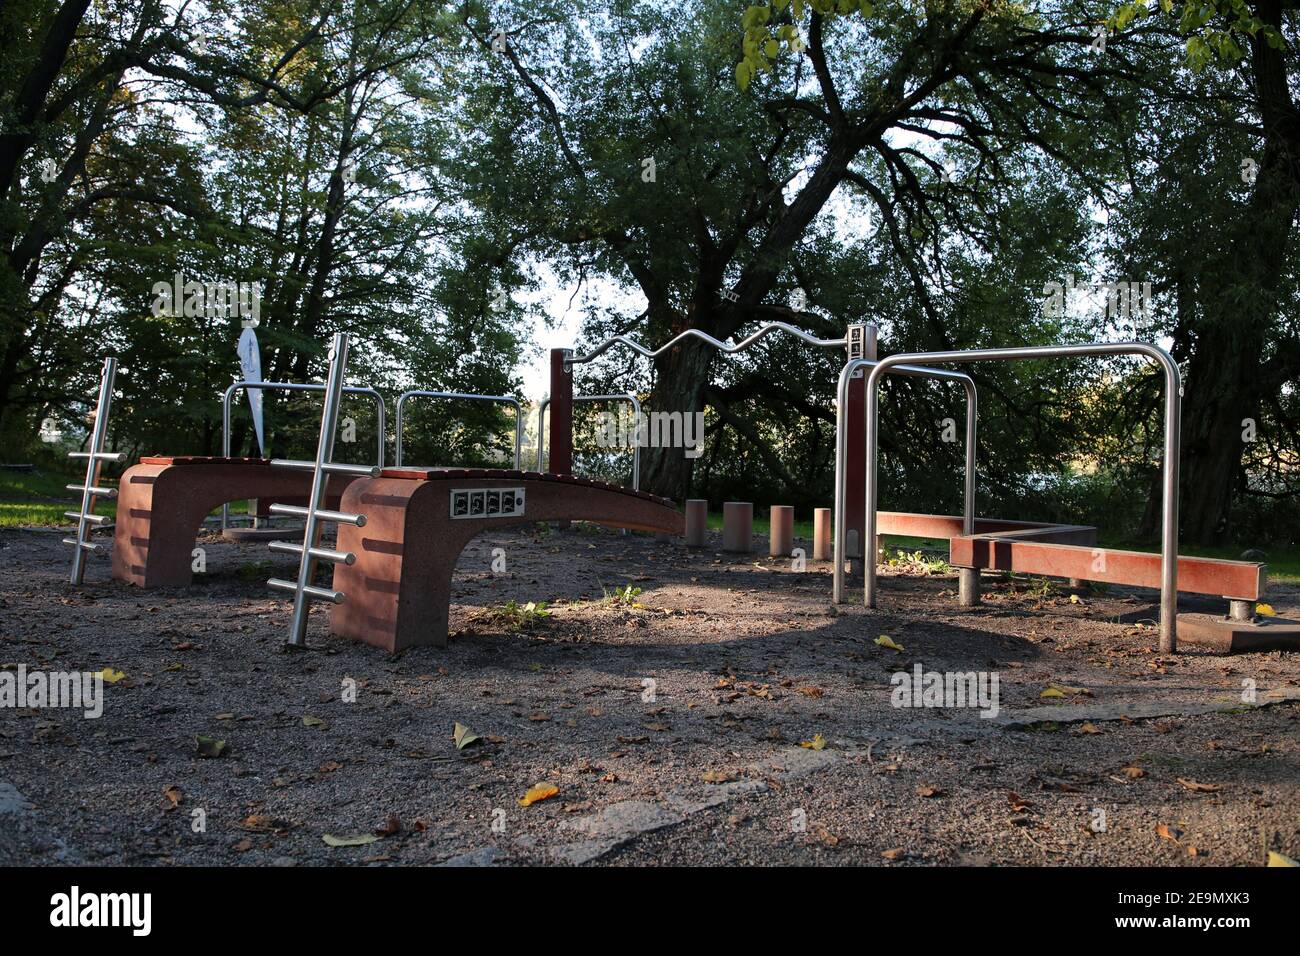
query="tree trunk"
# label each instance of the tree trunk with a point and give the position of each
(681, 376)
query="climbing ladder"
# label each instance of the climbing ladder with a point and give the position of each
(310, 551)
(90, 489)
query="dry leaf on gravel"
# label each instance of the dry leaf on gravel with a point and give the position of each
(355, 839)
(817, 743)
(1166, 832)
(537, 793)
(887, 642)
(1197, 787)
(463, 736)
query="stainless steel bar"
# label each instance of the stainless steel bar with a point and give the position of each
(310, 590)
(338, 517)
(381, 416)
(467, 396)
(95, 457)
(323, 554)
(868, 544)
(88, 518)
(636, 445)
(1173, 412)
(118, 456)
(97, 492)
(87, 545)
(727, 347)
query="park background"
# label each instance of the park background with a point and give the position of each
(462, 186)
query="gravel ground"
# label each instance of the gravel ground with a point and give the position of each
(670, 722)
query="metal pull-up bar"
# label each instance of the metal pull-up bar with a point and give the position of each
(868, 543)
(1173, 411)
(467, 396)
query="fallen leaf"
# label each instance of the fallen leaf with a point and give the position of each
(356, 839)
(718, 776)
(928, 790)
(463, 736)
(174, 795)
(817, 743)
(329, 766)
(210, 746)
(1065, 690)
(394, 825)
(1088, 728)
(1133, 772)
(884, 640)
(1266, 610)
(1196, 787)
(537, 793)
(109, 675)
(1169, 833)
(1279, 859)
(895, 854)
(309, 721)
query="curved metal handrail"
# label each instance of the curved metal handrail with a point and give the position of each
(469, 396)
(727, 347)
(636, 411)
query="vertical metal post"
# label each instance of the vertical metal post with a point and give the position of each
(862, 343)
(95, 457)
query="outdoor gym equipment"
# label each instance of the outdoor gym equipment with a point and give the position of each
(90, 489)
(466, 396)
(321, 469)
(1169, 524)
(226, 400)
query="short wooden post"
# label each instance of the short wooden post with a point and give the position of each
(697, 522)
(822, 526)
(780, 536)
(738, 526)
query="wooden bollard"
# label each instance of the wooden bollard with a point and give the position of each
(822, 524)
(738, 526)
(780, 536)
(697, 522)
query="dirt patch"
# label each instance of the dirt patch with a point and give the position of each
(670, 721)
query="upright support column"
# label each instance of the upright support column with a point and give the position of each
(822, 534)
(862, 343)
(561, 412)
(968, 587)
(697, 522)
(780, 537)
(738, 526)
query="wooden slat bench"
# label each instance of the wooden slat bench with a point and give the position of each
(396, 594)
(162, 502)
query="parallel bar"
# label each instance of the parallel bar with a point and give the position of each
(96, 520)
(322, 554)
(467, 396)
(868, 540)
(87, 545)
(322, 514)
(1173, 412)
(309, 590)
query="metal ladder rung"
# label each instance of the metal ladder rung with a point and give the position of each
(333, 468)
(324, 554)
(308, 590)
(322, 514)
(118, 456)
(96, 520)
(85, 545)
(97, 492)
